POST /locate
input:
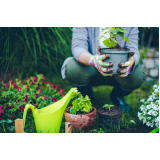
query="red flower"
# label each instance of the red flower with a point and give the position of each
(55, 87)
(2, 90)
(27, 87)
(61, 89)
(36, 95)
(34, 79)
(12, 117)
(12, 105)
(22, 109)
(19, 89)
(45, 98)
(58, 92)
(1, 110)
(2, 80)
(40, 90)
(6, 98)
(17, 100)
(43, 77)
(6, 85)
(35, 105)
(25, 100)
(1, 118)
(6, 108)
(62, 94)
(30, 83)
(53, 98)
(27, 79)
(25, 96)
(21, 81)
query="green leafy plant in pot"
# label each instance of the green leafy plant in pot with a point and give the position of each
(81, 114)
(116, 52)
(109, 115)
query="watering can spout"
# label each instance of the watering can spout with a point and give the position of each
(34, 111)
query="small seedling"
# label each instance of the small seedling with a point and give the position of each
(108, 106)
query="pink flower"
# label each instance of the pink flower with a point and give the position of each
(12, 105)
(34, 79)
(1, 110)
(57, 85)
(2, 90)
(14, 85)
(17, 100)
(40, 90)
(21, 81)
(27, 87)
(6, 85)
(25, 100)
(53, 98)
(30, 83)
(45, 98)
(19, 89)
(36, 95)
(12, 117)
(58, 92)
(6, 98)
(1, 118)
(43, 77)
(27, 79)
(62, 94)
(35, 105)
(11, 80)
(61, 89)
(6, 108)
(25, 96)
(2, 80)
(22, 109)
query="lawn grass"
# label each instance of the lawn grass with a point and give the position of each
(101, 96)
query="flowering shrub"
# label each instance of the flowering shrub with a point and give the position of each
(149, 110)
(15, 95)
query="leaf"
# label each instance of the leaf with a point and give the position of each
(121, 34)
(120, 29)
(3, 121)
(72, 110)
(9, 121)
(126, 39)
(100, 37)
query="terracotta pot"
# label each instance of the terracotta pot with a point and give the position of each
(110, 118)
(81, 121)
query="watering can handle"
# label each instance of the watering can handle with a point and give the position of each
(28, 106)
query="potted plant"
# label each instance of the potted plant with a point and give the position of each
(110, 115)
(81, 114)
(116, 52)
(149, 110)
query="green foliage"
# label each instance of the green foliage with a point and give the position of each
(143, 54)
(26, 50)
(113, 32)
(15, 95)
(80, 104)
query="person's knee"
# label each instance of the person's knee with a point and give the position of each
(76, 73)
(134, 80)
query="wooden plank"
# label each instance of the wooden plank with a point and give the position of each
(68, 127)
(19, 126)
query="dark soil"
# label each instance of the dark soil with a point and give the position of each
(113, 111)
(120, 48)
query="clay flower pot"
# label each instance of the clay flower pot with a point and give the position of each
(110, 118)
(81, 121)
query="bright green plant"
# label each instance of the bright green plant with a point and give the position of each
(108, 106)
(143, 54)
(15, 95)
(113, 33)
(80, 104)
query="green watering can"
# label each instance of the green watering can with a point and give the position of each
(48, 119)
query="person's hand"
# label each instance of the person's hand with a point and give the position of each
(97, 62)
(126, 66)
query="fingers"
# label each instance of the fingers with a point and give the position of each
(102, 57)
(108, 70)
(98, 50)
(126, 64)
(106, 64)
(131, 54)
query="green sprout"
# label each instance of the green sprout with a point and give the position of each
(108, 106)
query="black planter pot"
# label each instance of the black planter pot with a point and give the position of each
(116, 56)
(111, 118)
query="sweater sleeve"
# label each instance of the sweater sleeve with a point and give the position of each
(133, 39)
(79, 41)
